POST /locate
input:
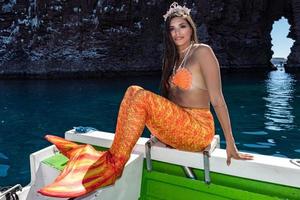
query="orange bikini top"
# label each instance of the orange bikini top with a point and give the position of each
(182, 78)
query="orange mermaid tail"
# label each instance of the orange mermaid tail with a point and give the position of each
(87, 169)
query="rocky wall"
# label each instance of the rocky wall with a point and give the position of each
(93, 37)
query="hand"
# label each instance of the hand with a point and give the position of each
(232, 152)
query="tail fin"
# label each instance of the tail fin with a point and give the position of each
(66, 147)
(86, 171)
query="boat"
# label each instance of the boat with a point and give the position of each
(157, 171)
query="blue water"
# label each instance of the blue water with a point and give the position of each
(264, 111)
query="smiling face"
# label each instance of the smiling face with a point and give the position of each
(180, 31)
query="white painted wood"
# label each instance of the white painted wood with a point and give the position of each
(103, 139)
(44, 176)
(37, 157)
(263, 168)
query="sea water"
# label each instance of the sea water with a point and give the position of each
(264, 109)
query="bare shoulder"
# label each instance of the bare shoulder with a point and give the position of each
(202, 49)
(205, 56)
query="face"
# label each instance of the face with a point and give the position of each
(180, 31)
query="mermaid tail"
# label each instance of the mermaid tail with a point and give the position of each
(65, 147)
(86, 170)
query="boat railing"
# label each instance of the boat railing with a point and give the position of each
(188, 171)
(295, 162)
(11, 192)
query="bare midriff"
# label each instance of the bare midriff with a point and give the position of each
(193, 98)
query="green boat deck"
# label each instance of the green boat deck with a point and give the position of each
(168, 181)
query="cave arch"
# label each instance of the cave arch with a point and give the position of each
(280, 43)
(240, 32)
(109, 32)
(288, 10)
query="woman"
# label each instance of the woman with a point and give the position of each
(181, 117)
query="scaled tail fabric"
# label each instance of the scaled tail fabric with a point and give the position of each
(86, 170)
(190, 129)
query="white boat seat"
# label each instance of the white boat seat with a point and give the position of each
(164, 151)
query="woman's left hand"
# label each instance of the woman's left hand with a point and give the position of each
(232, 152)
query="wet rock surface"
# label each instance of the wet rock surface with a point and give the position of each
(95, 37)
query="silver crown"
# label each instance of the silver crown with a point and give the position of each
(174, 7)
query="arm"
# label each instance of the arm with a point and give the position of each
(210, 69)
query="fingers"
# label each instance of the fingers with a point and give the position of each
(228, 161)
(239, 156)
(245, 157)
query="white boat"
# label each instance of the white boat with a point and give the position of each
(155, 171)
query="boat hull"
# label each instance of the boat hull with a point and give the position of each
(265, 177)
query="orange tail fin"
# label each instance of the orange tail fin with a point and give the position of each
(86, 170)
(64, 146)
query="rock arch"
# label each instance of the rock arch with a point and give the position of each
(240, 31)
(52, 37)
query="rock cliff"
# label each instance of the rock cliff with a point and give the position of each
(94, 37)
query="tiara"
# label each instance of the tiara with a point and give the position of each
(174, 7)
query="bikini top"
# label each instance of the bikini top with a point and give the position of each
(182, 78)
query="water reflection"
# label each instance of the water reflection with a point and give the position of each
(3, 165)
(3, 170)
(280, 87)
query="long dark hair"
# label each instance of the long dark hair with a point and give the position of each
(170, 51)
